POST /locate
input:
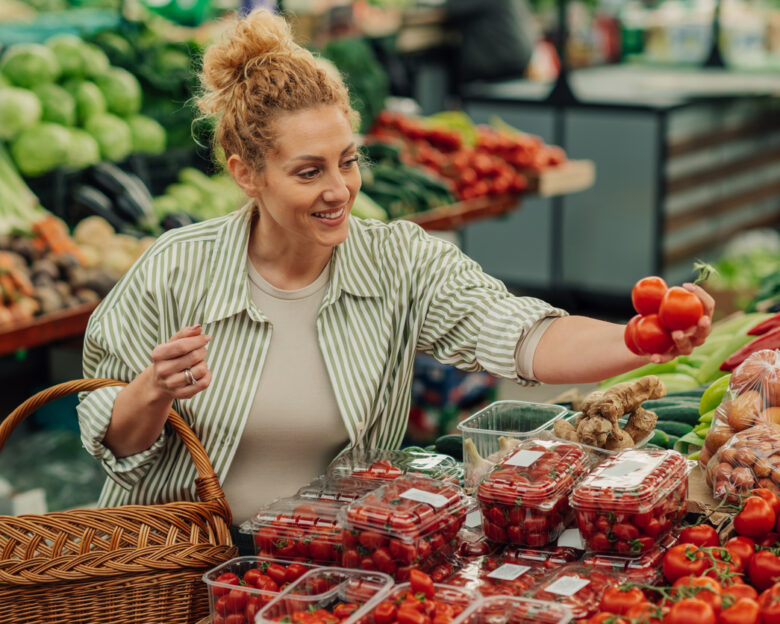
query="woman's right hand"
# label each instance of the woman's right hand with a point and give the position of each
(185, 350)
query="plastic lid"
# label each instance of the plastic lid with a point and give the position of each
(294, 512)
(633, 481)
(407, 508)
(515, 610)
(578, 587)
(382, 465)
(536, 474)
(340, 491)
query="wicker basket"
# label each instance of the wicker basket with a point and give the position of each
(139, 564)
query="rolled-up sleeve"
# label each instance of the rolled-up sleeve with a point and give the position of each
(470, 320)
(117, 345)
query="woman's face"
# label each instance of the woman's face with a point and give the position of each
(311, 179)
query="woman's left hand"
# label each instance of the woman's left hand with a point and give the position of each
(685, 341)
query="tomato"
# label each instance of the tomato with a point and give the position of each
(647, 293)
(743, 611)
(406, 615)
(253, 605)
(740, 590)
(229, 579)
(236, 600)
(344, 610)
(691, 611)
(384, 613)
(626, 532)
(770, 497)
(680, 309)
(235, 618)
(294, 572)
(651, 336)
(645, 613)
(764, 569)
(421, 583)
(769, 602)
(683, 560)
(605, 618)
(620, 599)
(756, 518)
(701, 535)
(277, 572)
(321, 550)
(629, 335)
(702, 588)
(743, 547)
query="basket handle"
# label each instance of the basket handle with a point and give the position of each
(207, 482)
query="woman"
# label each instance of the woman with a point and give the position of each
(287, 330)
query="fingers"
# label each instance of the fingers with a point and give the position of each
(185, 350)
(190, 390)
(191, 330)
(707, 302)
(179, 347)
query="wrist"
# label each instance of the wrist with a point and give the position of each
(155, 395)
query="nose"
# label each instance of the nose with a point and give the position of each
(337, 191)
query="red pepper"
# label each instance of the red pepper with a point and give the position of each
(773, 322)
(769, 340)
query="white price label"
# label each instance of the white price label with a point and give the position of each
(567, 585)
(474, 519)
(424, 463)
(571, 538)
(421, 496)
(524, 459)
(623, 468)
(508, 572)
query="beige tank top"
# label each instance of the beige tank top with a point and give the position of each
(294, 427)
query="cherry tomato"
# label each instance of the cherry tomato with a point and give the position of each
(756, 518)
(680, 309)
(619, 599)
(384, 613)
(691, 611)
(647, 293)
(701, 535)
(683, 560)
(229, 579)
(421, 583)
(651, 336)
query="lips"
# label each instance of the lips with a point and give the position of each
(330, 214)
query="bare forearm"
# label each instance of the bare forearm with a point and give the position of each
(139, 414)
(577, 349)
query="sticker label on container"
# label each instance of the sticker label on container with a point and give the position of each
(567, 585)
(474, 519)
(571, 538)
(508, 572)
(424, 463)
(523, 458)
(623, 468)
(421, 496)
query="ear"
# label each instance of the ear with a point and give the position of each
(245, 176)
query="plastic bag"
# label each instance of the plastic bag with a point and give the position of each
(753, 399)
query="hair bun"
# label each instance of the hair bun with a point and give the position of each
(250, 42)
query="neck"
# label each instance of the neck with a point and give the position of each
(284, 262)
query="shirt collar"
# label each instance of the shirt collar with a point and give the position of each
(353, 268)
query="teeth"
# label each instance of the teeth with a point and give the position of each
(329, 215)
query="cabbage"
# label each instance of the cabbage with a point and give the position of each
(121, 90)
(89, 99)
(40, 149)
(58, 105)
(29, 64)
(4, 81)
(70, 54)
(19, 110)
(96, 62)
(112, 134)
(148, 135)
(83, 149)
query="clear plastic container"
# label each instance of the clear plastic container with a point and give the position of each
(599, 453)
(525, 499)
(403, 524)
(643, 569)
(577, 587)
(456, 599)
(338, 595)
(632, 500)
(297, 529)
(513, 610)
(340, 491)
(377, 466)
(244, 585)
(493, 431)
(502, 574)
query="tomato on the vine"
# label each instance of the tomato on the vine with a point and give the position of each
(769, 496)
(743, 611)
(764, 569)
(743, 547)
(702, 588)
(680, 309)
(619, 599)
(683, 560)
(756, 518)
(700, 535)
(690, 611)
(647, 293)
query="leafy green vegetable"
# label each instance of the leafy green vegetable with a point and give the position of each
(58, 105)
(29, 64)
(19, 110)
(148, 135)
(40, 149)
(112, 135)
(121, 90)
(89, 99)
(69, 50)
(83, 150)
(96, 62)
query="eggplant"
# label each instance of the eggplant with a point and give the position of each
(89, 200)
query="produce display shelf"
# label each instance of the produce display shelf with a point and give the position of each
(47, 328)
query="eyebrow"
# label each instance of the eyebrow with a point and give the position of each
(320, 158)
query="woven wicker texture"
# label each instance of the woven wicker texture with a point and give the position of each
(126, 564)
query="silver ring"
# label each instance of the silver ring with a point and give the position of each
(188, 376)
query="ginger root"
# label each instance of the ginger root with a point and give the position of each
(478, 467)
(620, 441)
(623, 398)
(565, 430)
(594, 431)
(640, 424)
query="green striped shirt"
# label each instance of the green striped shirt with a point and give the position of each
(393, 290)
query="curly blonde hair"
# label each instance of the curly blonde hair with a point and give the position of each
(256, 72)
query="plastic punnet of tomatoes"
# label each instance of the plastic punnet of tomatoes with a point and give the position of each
(239, 588)
(500, 575)
(525, 498)
(327, 596)
(297, 529)
(513, 610)
(409, 522)
(629, 502)
(577, 587)
(340, 491)
(378, 465)
(751, 459)
(407, 605)
(643, 569)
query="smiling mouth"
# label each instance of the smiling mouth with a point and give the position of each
(330, 214)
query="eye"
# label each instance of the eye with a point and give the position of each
(308, 174)
(350, 163)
